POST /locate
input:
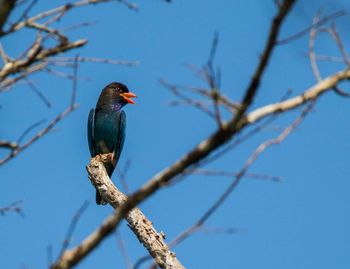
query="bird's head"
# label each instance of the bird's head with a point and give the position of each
(120, 93)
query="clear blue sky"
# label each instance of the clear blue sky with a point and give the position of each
(302, 222)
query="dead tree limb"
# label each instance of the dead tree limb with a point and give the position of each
(137, 221)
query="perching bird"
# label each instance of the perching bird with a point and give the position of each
(106, 125)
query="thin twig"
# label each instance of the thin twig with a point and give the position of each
(186, 99)
(39, 93)
(26, 12)
(72, 227)
(122, 173)
(123, 250)
(40, 134)
(333, 31)
(317, 24)
(13, 207)
(239, 176)
(92, 60)
(61, 10)
(220, 173)
(75, 81)
(312, 55)
(28, 130)
(5, 58)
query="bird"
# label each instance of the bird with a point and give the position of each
(106, 125)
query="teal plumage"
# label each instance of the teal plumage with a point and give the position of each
(107, 123)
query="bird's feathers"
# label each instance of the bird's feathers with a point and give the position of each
(106, 125)
(90, 131)
(107, 134)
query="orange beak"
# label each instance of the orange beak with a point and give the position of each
(127, 96)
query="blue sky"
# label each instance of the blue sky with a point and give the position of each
(301, 222)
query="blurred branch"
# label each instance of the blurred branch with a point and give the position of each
(72, 227)
(35, 54)
(220, 173)
(188, 100)
(92, 60)
(8, 144)
(122, 176)
(315, 24)
(13, 207)
(6, 6)
(57, 13)
(336, 59)
(39, 55)
(334, 33)
(312, 55)
(238, 176)
(41, 95)
(123, 250)
(19, 148)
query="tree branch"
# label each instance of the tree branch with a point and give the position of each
(6, 6)
(19, 148)
(59, 12)
(137, 221)
(13, 207)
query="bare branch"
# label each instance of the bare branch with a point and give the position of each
(72, 227)
(312, 55)
(5, 58)
(6, 7)
(13, 207)
(37, 54)
(334, 33)
(41, 96)
(122, 176)
(265, 57)
(75, 81)
(92, 60)
(26, 11)
(58, 12)
(8, 144)
(315, 25)
(28, 130)
(311, 94)
(40, 134)
(220, 173)
(138, 223)
(8, 83)
(239, 176)
(123, 250)
(186, 99)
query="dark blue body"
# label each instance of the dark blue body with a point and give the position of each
(106, 134)
(106, 125)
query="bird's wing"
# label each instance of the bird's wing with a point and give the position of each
(90, 131)
(121, 124)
